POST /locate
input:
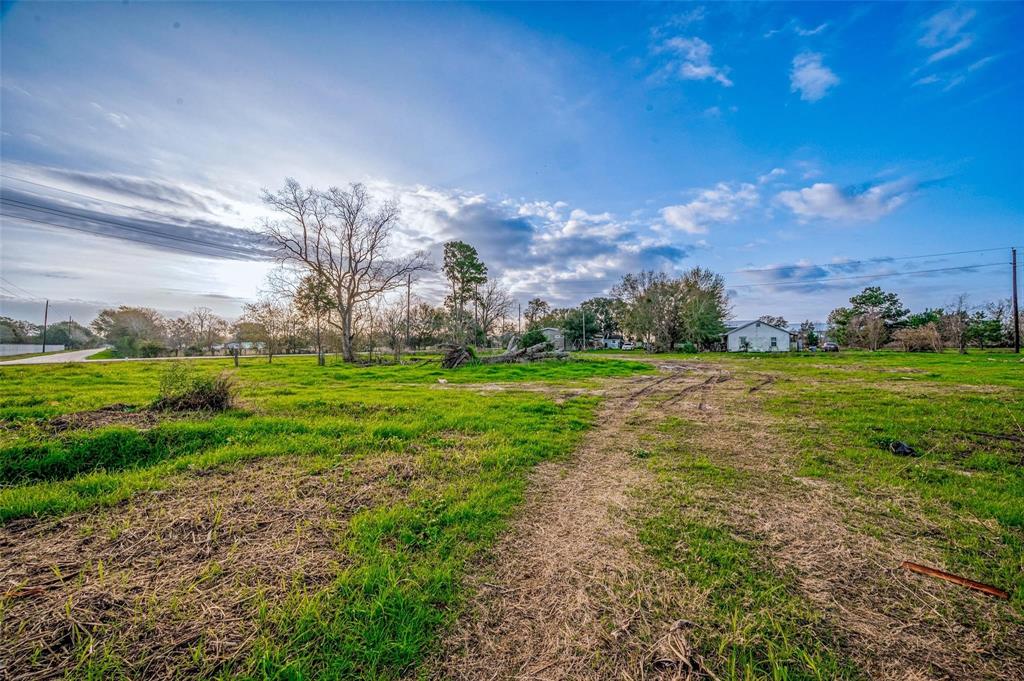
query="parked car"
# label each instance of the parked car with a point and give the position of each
(629, 346)
(829, 347)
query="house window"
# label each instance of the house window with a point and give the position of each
(775, 342)
(743, 341)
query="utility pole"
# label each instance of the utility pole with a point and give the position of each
(46, 313)
(408, 302)
(584, 310)
(1016, 310)
(519, 323)
(69, 333)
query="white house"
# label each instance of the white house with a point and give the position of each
(757, 336)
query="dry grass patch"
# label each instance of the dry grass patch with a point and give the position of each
(171, 583)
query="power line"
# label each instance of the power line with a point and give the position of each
(806, 282)
(11, 284)
(84, 196)
(107, 221)
(125, 237)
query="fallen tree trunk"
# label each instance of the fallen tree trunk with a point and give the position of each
(460, 354)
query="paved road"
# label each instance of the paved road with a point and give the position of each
(82, 355)
(55, 358)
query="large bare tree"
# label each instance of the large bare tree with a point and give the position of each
(342, 237)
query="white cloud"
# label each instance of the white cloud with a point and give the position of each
(810, 31)
(943, 27)
(771, 175)
(831, 202)
(722, 203)
(692, 60)
(956, 47)
(810, 77)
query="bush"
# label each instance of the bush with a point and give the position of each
(182, 388)
(531, 338)
(688, 347)
(921, 339)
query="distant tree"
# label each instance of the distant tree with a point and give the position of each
(207, 328)
(494, 304)
(774, 321)
(427, 325)
(869, 308)
(342, 237)
(554, 318)
(268, 323)
(666, 311)
(808, 333)
(929, 316)
(605, 311)
(838, 325)
(866, 330)
(16, 330)
(390, 322)
(131, 330)
(465, 273)
(954, 324)
(705, 307)
(179, 335)
(313, 300)
(573, 326)
(536, 310)
(984, 331)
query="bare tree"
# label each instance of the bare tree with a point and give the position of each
(494, 304)
(270, 322)
(954, 323)
(207, 328)
(341, 237)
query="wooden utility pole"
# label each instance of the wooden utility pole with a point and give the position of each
(46, 313)
(408, 305)
(584, 310)
(1016, 310)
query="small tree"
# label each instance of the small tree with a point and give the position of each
(536, 310)
(269, 321)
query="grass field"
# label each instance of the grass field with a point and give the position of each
(327, 525)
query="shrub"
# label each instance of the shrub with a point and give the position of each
(182, 388)
(531, 338)
(688, 347)
(924, 338)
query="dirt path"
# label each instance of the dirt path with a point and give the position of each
(569, 593)
(562, 598)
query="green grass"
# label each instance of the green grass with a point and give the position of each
(753, 624)
(402, 560)
(109, 353)
(963, 414)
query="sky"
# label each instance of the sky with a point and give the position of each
(801, 150)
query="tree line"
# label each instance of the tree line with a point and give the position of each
(876, 318)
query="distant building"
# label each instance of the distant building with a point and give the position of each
(554, 336)
(757, 336)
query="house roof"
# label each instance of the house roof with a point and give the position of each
(757, 321)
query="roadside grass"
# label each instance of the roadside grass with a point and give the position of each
(402, 560)
(108, 353)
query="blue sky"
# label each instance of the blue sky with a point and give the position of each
(571, 143)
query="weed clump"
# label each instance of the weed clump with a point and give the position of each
(182, 388)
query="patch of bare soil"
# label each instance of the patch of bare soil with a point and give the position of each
(898, 626)
(146, 582)
(565, 594)
(111, 415)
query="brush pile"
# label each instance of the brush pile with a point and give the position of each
(458, 355)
